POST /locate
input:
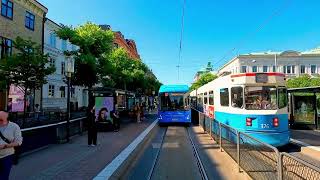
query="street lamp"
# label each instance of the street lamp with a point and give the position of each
(69, 71)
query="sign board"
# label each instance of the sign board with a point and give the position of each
(16, 99)
(261, 78)
(104, 102)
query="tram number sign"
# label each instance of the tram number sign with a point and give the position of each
(265, 126)
(261, 78)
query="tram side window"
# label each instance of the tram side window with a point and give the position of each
(237, 97)
(283, 99)
(224, 97)
(205, 98)
(211, 98)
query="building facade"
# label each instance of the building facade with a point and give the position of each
(119, 41)
(24, 19)
(292, 63)
(54, 93)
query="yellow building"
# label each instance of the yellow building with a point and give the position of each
(24, 18)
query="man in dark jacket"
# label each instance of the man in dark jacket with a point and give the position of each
(92, 126)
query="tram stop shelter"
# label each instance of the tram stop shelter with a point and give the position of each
(304, 108)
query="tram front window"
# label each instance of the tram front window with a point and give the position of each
(261, 98)
(172, 102)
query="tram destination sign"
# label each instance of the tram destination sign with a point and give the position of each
(261, 78)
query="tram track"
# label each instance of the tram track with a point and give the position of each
(153, 174)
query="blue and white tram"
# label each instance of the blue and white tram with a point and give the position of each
(174, 104)
(254, 103)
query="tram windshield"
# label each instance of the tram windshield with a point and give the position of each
(261, 98)
(172, 102)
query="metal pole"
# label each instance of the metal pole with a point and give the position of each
(68, 109)
(220, 138)
(238, 150)
(210, 127)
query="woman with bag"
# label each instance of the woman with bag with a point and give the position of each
(10, 137)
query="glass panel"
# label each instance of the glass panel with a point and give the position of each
(302, 69)
(265, 68)
(261, 98)
(313, 69)
(283, 99)
(293, 69)
(172, 101)
(289, 69)
(10, 4)
(237, 97)
(243, 69)
(254, 68)
(274, 69)
(3, 10)
(284, 69)
(211, 98)
(224, 97)
(9, 13)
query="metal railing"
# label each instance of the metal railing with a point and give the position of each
(258, 159)
(295, 168)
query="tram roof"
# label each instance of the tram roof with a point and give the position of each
(174, 88)
(315, 89)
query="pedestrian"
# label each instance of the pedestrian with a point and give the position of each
(92, 126)
(36, 111)
(137, 112)
(10, 137)
(142, 108)
(116, 119)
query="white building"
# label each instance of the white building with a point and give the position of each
(54, 93)
(292, 63)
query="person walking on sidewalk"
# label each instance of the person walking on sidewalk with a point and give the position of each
(116, 118)
(92, 127)
(10, 137)
(137, 112)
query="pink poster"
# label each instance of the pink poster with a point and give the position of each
(15, 100)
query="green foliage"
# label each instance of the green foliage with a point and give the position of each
(303, 81)
(27, 68)
(94, 44)
(204, 79)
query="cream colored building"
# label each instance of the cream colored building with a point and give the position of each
(24, 18)
(292, 63)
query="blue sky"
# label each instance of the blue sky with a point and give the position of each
(212, 28)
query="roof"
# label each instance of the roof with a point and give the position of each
(314, 89)
(174, 88)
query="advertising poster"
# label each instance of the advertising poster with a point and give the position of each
(304, 111)
(15, 100)
(104, 102)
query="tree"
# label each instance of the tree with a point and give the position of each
(204, 79)
(94, 44)
(303, 81)
(26, 69)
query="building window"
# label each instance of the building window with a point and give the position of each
(288, 69)
(284, 69)
(313, 69)
(64, 45)
(237, 97)
(5, 47)
(273, 68)
(265, 68)
(51, 91)
(7, 9)
(73, 92)
(224, 97)
(53, 40)
(243, 69)
(63, 91)
(63, 68)
(29, 21)
(302, 69)
(52, 62)
(293, 69)
(115, 45)
(254, 69)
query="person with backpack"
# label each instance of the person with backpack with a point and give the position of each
(10, 138)
(116, 119)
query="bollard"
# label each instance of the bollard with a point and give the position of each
(238, 150)
(211, 128)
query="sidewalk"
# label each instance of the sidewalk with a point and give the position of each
(76, 160)
(311, 137)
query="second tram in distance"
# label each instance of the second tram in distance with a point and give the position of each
(254, 103)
